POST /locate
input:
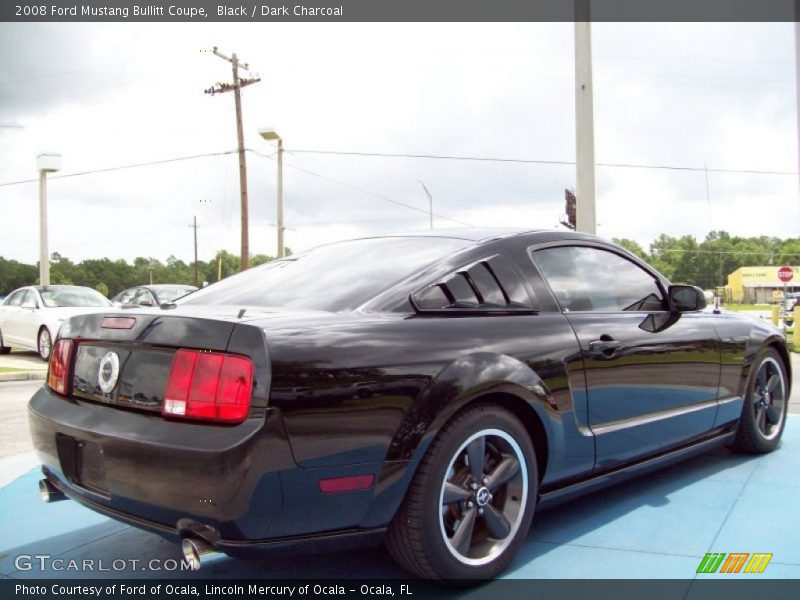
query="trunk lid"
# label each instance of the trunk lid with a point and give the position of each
(129, 367)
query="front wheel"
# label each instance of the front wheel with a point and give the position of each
(764, 411)
(44, 344)
(470, 504)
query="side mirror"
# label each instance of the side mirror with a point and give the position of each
(686, 298)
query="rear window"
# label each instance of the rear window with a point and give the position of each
(335, 277)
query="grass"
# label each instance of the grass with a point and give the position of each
(11, 370)
(738, 307)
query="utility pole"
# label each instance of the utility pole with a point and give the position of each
(430, 201)
(196, 277)
(584, 120)
(236, 86)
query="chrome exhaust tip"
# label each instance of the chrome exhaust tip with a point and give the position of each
(49, 492)
(195, 549)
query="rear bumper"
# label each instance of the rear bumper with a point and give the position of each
(161, 471)
(236, 486)
(329, 541)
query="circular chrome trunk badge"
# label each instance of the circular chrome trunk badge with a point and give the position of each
(108, 372)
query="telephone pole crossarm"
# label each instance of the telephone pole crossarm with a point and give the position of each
(221, 88)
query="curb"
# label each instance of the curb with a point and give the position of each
(23, 376)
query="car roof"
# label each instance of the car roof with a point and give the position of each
(47, 288)
(482, 234)
(168, 286)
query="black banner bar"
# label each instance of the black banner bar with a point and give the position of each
(193, 589)
(398, 10)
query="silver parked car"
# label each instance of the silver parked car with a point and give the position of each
(30, 317)
(151, 295)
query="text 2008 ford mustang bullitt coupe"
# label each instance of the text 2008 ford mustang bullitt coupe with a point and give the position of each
(429, 390)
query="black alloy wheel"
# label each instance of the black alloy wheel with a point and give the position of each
(764, 411)
(471, 501)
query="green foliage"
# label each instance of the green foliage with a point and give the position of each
(708, 263)
(632, 247)
(680, 259)
(110, 277)
(14, 274)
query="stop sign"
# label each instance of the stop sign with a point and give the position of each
(785, 274)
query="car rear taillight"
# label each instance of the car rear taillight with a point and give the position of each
(59, 366)
(209, 385)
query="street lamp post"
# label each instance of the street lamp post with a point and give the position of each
(269, 134)
(45, 163)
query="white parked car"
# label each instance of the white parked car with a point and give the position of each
(30, 317)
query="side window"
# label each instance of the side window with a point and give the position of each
(15, 299)
(26, 297)
(487, 285)
(591, 279)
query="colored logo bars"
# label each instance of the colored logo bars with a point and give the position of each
(717, 562)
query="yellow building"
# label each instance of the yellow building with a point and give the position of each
(759, 285)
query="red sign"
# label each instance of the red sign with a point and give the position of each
(785, 274)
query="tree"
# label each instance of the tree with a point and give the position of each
(14, 274)
(633, 247)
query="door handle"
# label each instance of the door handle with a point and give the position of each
(605, 347)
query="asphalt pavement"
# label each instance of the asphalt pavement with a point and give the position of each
(655, 527)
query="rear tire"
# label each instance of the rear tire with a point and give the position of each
(44, 344)
(765, 405)
(465, 519)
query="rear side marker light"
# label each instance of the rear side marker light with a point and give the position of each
(211, 386)
(59, 366)
(346, 484)
(118, 323)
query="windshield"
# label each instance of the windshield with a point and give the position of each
(170, 294)
(336, 277)
(73, 297)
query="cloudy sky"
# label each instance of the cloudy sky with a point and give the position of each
(106, 95)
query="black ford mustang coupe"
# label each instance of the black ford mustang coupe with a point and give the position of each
(429, 390)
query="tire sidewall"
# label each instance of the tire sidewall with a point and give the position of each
(453, 437)
(748, 410)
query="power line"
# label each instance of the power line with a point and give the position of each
(363, 191)
(537, 162)
(225, 153)
(123, 167)
(390, 155)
